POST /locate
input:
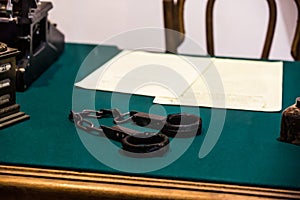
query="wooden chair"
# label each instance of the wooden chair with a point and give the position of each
(173, 18)
(269, 35)
(295, 51)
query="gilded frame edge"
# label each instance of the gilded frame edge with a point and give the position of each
(36, 183)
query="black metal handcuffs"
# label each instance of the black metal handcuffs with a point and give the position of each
(179, 125)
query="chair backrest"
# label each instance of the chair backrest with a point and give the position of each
(268, 38)
(174, 20)
(174, 24)
(295, 51)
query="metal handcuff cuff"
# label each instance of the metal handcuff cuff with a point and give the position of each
(179, 125)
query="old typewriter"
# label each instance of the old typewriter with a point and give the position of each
(9, 110)
(24, 26)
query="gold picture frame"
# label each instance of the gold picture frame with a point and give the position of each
(36, 183)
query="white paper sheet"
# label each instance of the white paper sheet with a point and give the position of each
(235, 84)
(193, 81)
(146, 73)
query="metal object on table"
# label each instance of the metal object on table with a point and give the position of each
(132, 141)
(290, 124)
(181, 125)
(9, 110)
(24, 25)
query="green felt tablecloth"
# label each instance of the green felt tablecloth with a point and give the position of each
(246, 153)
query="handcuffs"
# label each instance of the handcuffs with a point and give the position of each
(179, 125)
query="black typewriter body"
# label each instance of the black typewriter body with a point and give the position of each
(24, 25)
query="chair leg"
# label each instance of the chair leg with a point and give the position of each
(271, 29)
(209, 27)
(174, 24)
(295, 51)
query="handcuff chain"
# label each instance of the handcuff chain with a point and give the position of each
(85, 124)
(88, 126)
(120, 119)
